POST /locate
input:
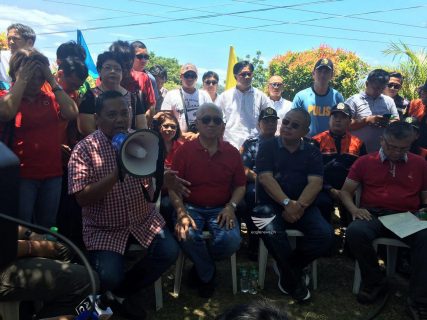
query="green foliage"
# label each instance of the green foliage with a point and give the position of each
(296, 69)
(260, 72)
(413, 66)
(171, 65)
(3, 41)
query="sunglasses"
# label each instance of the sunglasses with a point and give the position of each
(394, 86)
(276, 84)
(190, 75)
(245, 74)
(169, 126)
(294, 125)
(208, 119)
(209, 82)
(142, 56)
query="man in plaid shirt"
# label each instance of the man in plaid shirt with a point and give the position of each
(116, 214)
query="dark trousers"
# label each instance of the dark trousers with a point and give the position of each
(317, 240)
(127, 274)
(361, 233)
(60, 285)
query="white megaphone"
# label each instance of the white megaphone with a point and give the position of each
(141, 154)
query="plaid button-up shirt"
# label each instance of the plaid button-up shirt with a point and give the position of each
(108, 223)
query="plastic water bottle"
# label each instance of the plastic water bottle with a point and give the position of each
(51, 237)
(253, 280)
(244, 280)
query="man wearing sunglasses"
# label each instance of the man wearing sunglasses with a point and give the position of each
(215, 170)
(281, 105)
(242, 105)
(372, 110)
(392, 180)
(185, 101)
(320, 97)
(290, 175)
(392, 90)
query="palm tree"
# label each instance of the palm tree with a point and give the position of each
(413, 65)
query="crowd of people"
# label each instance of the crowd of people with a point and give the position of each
(229, 157)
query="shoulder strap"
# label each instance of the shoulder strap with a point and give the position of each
(185, 107)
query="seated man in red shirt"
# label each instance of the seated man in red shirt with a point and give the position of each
(392, 180)
(215, 170)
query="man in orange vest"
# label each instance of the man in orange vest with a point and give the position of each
(339, 150)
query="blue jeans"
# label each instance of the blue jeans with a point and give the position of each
(203, 253)
(39, 200)
(146, 266)
(317, 240)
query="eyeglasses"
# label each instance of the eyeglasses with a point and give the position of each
(208, 119)
(394, 86)
(391, 147)
(209, 82)
(190, 75)
(245, 74)
(293, 125)
(109, 68)
(142, 56)
(169, 126)
(276, 84)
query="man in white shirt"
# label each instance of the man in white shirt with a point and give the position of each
(242, 105)
(282, 106)
(185, 101)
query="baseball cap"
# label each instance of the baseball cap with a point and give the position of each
(268, 112)
(341, 107)
(379, 75)
(188, 67)
(324, 62)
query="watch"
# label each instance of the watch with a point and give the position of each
(233, 205)
(27, 234)
(285, 202)
(57, 88)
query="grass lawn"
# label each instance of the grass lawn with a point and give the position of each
(332, 300)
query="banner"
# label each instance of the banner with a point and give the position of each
(230, 81)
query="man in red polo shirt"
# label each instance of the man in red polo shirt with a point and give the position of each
(217, 177)
(392, 180)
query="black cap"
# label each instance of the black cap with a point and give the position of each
(379, 75)
(414, 122)
(341, 107)
(324, 62)
(268, 113)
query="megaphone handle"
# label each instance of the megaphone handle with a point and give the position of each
(121, 173)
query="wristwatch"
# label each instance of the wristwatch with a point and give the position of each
(57, 88)
(233, 205)
(285, 202)
(27, 234)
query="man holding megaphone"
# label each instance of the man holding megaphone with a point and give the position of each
(116, 214)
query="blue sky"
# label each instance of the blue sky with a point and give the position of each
(202, 31)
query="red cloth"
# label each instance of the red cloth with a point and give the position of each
(36, 138)
(213, 178)
(175, 145)
(144, 82)
(417, 109)
(381, 190)
(108, 223)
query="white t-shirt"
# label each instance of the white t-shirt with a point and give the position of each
(4, 66)
(241, 111)
(173, 101)
(282, 107)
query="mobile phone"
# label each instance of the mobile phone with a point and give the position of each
(387, 116)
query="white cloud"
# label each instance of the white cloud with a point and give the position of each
(40, 21)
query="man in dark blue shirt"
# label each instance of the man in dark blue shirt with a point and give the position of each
(290, 175)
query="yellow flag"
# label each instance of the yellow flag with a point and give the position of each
(230, 81)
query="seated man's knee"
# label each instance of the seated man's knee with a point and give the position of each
(227, 244)
(356, 232)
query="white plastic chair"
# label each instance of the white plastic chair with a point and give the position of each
(179, 267)
(263, 257)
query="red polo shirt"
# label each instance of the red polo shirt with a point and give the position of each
(385, 188)
(213, 178)
(36, 138)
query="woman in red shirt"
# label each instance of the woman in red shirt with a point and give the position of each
(29, 125)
